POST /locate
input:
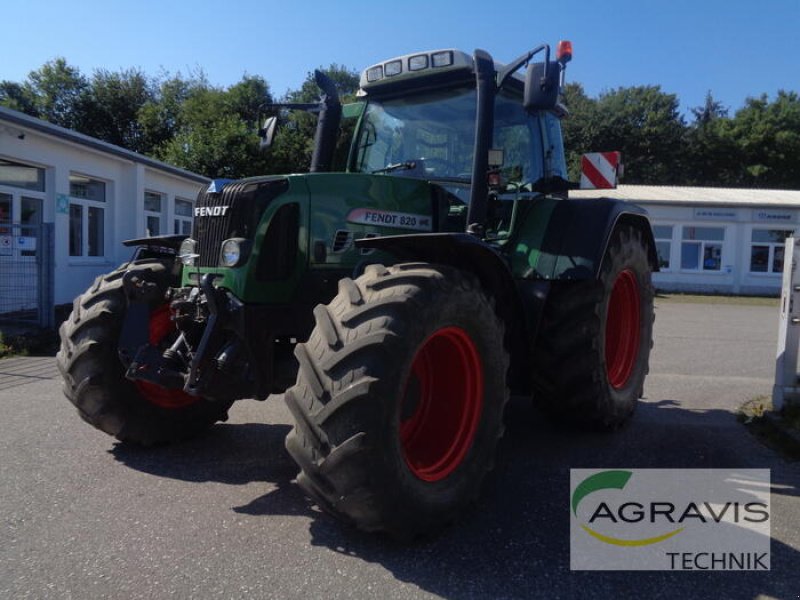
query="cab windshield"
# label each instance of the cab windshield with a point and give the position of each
(432, 135)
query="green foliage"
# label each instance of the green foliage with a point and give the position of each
(112, 106)
(159, 116)
(212, 139)
(185, 120)
(645, 124)
(294, 144)
(17, 97)
(55, 92)
(642, 122)
(579, 128)
(767, 135)
(39, 342)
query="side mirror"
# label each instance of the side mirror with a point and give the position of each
(541, 90)
(267, 132)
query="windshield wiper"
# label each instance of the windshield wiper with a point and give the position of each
(401, 166)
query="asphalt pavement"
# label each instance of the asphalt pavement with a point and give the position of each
(220, 517)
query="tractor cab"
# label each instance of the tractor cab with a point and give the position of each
(419, 120)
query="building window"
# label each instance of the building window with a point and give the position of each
(701, 248)
(86, 216)
(152, 213)
(663, 237)
(21, 176)
(766, 250)
(183, 217)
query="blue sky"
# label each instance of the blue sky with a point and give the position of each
(733, 48)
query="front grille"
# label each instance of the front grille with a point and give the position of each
(245, 202)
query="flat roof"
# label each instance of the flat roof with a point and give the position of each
(679, 195)
(22, 120)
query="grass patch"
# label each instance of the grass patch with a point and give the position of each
(754, 409)
(777, 430)
(42, 342)
(712, 299)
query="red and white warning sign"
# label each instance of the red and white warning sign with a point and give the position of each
(600, 170)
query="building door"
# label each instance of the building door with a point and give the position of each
(30, 226)
(25, 263)
(20, 224)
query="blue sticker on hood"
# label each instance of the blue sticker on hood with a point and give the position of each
(217, 185)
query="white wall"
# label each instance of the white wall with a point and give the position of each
(734, 275)
(126, 181)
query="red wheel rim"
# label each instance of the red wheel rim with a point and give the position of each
(442, 404)
(622, 329)
(159, 328)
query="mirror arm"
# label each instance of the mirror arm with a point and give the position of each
(307, 106)
(512, 67)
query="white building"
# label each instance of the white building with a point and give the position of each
(94, 194)
(715, 239)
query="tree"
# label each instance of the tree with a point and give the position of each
(294, 144)
(17, 97)
(580, 127)
(645, 124)
(768, 136)
(642, 122)
(713, 157)
(215, 129)
(247, 99)
(159, 117)
(112, 105)
(58, 92)
(710, 111)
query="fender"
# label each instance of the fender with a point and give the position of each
(577, 236)
(460, 250)
(469, 253)
(172, 242)
(157, 246)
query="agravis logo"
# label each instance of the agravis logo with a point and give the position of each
(613, 480)
(670, 519)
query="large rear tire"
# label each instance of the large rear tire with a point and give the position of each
(399, 398)
(94, 376)
(592, 355)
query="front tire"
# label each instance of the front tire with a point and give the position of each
(94, 376)
(399, 398)
(592, 355)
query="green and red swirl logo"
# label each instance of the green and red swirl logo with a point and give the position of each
(630, 511)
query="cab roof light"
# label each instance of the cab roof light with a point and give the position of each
(441, 59)
(375, 73)
(392, 68)
(564, 51)
(418, 62)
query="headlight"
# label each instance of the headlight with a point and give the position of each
(188, 252)
(233, 252)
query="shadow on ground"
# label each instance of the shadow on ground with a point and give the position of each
(234, 454)
(515, 543)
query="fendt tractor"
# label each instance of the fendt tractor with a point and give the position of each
(429, 265)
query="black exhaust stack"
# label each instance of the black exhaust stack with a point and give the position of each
(330, 114)
(484, 122)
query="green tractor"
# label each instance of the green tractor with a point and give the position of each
(429, 265)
